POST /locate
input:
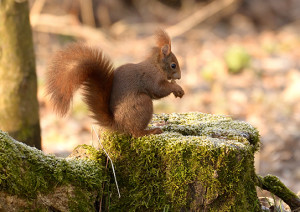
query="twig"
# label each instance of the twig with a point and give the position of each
(103, 16)
(87, 12)
(36, 11)
(200, 16)
(64, 25)
(100, 202)
(112, 164)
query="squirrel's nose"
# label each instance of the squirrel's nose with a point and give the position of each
(177, 75)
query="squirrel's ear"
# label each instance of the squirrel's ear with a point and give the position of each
(165, 50)
(162, 39)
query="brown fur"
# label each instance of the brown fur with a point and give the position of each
(81, 65)
(120, 99)
(162, 38)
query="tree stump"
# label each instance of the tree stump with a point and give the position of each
(201, 162)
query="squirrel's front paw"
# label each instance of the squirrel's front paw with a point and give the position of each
(178, 92)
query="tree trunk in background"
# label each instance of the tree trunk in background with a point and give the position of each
(18, 83)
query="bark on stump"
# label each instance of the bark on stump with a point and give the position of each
(201, 162)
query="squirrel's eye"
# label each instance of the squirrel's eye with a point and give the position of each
(173, 65)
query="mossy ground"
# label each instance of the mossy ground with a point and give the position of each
(201, 162)
(27, 172)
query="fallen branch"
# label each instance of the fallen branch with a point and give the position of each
(275, 186)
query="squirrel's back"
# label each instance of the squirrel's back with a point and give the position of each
(79, 65)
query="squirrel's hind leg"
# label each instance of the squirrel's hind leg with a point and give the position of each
(133, 115)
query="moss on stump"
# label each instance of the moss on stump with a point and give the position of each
(201, 162)
(33, 181)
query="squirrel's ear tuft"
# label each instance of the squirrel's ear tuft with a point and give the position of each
(165, 50)
(162, 39)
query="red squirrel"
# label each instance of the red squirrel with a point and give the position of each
(120, 99)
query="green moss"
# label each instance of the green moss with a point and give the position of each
(26, 172)
(82, 201)
(200, 162)
(211, 126)
(87, 152)
(275, 186)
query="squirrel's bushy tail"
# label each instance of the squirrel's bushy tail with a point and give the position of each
(76, 66)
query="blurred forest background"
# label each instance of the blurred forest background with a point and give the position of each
(238, 57)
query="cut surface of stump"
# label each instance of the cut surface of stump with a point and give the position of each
(201, 162)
